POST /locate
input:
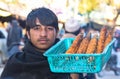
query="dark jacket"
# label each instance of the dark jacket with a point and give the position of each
(29, 64)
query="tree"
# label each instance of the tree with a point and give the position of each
(86, 6)
(116, 4)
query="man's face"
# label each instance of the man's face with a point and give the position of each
(42, 36)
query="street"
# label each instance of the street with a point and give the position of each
(106, 74)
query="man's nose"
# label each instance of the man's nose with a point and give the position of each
(43, 32)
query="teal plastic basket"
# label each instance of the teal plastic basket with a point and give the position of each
(76, 63)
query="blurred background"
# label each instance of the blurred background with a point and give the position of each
(96, 13)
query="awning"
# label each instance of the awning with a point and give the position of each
(4, 13)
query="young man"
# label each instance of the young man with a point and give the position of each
(42, 28)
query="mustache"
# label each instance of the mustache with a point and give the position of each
(43, 39)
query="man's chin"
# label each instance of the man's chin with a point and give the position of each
(43, 47)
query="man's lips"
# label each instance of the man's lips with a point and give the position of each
(42, 41)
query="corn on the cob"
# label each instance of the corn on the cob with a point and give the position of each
(108, 37)
(73, 48)
(101, 40)
(84, 44)
(92, 45)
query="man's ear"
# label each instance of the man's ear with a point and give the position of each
(57, 32)
(28, 34)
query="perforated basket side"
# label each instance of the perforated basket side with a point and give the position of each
(75, 63)
(107, 52)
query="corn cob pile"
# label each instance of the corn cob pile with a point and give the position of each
(89, 45)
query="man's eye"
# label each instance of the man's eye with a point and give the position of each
(50, 28)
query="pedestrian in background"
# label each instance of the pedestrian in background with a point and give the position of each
(14, 37)
(116, 52)
(72, 28)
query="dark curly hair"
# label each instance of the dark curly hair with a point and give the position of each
(46, 17)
